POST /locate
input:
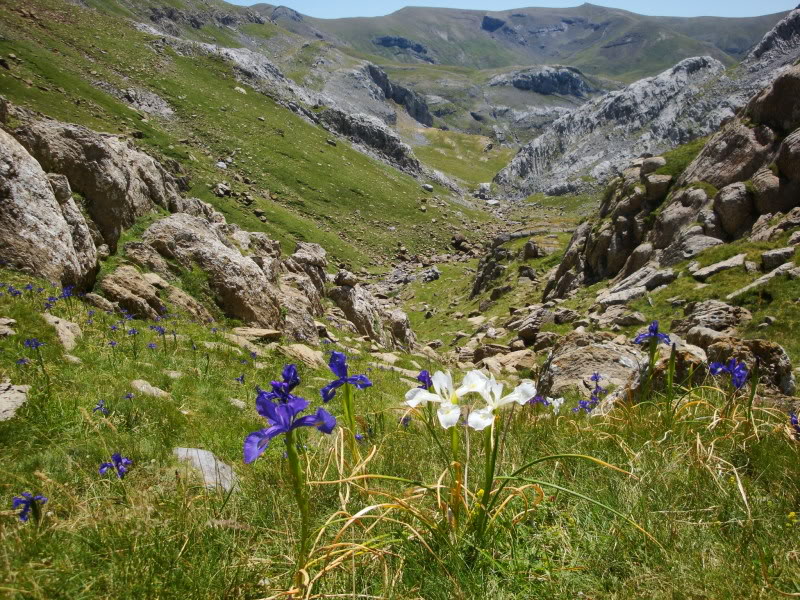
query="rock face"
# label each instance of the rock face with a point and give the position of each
(360, 308)
(68, 333)
(579, 141)
(565, 81)
(42, 232)
(133, 293)
(214, 472)
(649, 116)
(416, 50)
(119, 182)
(638, 232)
(373, 136)
(775, 364)
(243, 288)
(413, 103)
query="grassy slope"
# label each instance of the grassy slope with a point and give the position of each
(704, 493)
(334, 196)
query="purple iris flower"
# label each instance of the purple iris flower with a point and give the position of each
(795, 423)
(588, 405)
(27, 502)
(128, 396)
(338, 366)
(100, 407)
(282, 418)
(23, 361)
(652, 334)
(239, 379)
(158, 329)
(538, 399)
(737, 370)
(404, 421)
(152, 346)
(281, 390)
(33, 343)
(118, 462)
(29, 287)
(424, 378)
(254, 355)
(112, 343)
(133, 331)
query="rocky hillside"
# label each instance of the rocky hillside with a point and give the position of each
(652, 115)
(601, 40)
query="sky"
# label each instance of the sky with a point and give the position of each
(331, 9)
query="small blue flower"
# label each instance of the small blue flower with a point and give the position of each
(118, 462)
(133, 331)
(128, 396)
(737, 370)
(539, 399)
(23, 361)
(27, 503)
(653, 335)
(33, 343)
(158, 329)
(404, 421)
(239, 379)
(29, 287)
(152, 346)
(424, 378)
(100, 407)
(254, 355)
(795, 423)
(338, 366)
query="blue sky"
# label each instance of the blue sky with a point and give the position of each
(329, 9)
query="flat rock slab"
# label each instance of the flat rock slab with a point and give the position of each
(777, 257)
(731, 263)
(256, 334)
(11, 398)
(144, 387)
(7, 327)
(785, 269)
(68, 333)
(215, 472)
(308, 356)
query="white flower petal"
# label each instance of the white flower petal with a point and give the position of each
(419, 396)
(474, 382)
(443, 384)
(481, 418)
(449, 414)
(525, 391)
(556, 403)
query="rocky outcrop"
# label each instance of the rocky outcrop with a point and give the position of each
(118, 182)
(774, 364)
(241, 286)
(42, 231)
(650, 116)
(415, 49)
(414, 104)
(754, 160)
(360, 308)
(373, 136)
(565, 81)
(647, 116)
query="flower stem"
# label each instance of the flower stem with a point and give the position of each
(455, 493)
(490, 442)
(298, 487)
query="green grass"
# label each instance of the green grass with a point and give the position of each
(679, 158)
(704, 491)
(462, 155)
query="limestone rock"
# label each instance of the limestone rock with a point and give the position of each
(214, 472)
(735, 208)
(724, 265)
(300, 352)
(40, 233)
(68, 333)
(12, 397)
(242, 288)
(128, 288)
(711, 314)
(360, 308)
(143, 387)
(183, 302)
(775, 258)
(579, 355)
(256, 334)
(776, 366)
(400, 330)
(7, 327)
(120, 182)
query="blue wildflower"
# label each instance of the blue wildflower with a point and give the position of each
(793, 420)
(254, 355)
(282, 418)
(158, 329)
(33, 343)
(338, 366)
(404, 421)
(133, 331)
(152, 346)
(539, 399)
(118, 463)
(652, 335)
(23, 361)
(128, 396)
(112, 343)
(27, 503)
(100, 407)
(29, 287)
(737, 370)
(424, 378)
(239, 379)
(66, 292)
(589, 405)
